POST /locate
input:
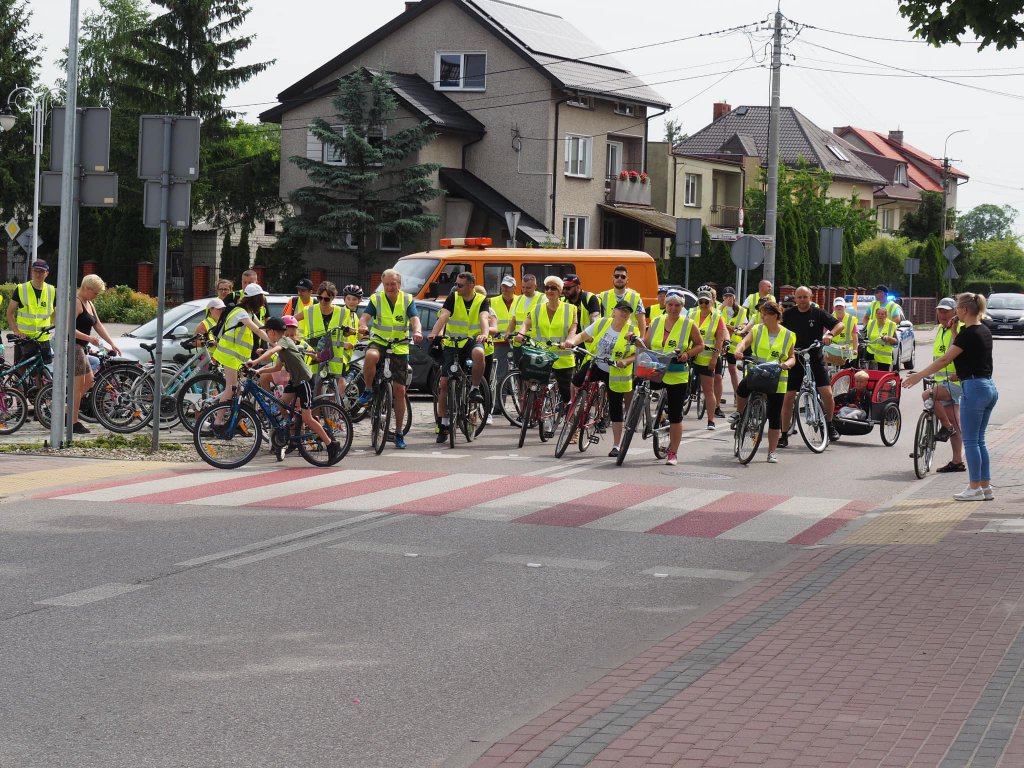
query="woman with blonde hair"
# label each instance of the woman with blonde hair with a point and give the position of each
(88, 330)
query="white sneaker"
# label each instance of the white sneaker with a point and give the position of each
(970, 494)
(987, 490)
(773, 457)
(711, 426)
(490, 419)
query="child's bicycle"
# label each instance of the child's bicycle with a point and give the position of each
(228, 434)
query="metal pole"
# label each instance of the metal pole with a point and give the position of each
(38, 126)
(828, 291)
(161, 291)
(71, 265)
(686, 279)
(65, 307)
(771, 197)
(910, 296)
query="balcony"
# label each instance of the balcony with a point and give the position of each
(725, 216)
(627, 192)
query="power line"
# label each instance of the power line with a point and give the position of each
(890, 74)
(872, 37)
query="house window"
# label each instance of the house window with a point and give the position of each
(622, 108)
(888, 216)
(901, 174)
(575, 231)
(613, 163)
(461, 71)
(347, 242)
(492, 277)
(389, 241)
(270, 227)
(583, 102)
(691, 194)
(838, 152)
(578, 151)
(335, 155)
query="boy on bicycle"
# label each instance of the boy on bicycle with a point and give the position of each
(291, 359)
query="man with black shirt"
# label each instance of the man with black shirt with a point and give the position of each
(809, 324)
(586, 303)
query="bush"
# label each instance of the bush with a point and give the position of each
(121, 304)
(980, 285)
(6, 290)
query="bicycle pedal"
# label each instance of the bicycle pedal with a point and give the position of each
(594, 439)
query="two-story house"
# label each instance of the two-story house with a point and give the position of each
(529, 115)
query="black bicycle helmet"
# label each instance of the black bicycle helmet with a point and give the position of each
(352, 290)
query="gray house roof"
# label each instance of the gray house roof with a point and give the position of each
(734, 133)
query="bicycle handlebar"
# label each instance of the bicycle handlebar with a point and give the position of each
(808, 350)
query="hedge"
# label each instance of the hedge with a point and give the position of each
(989, 286)
(119, 304)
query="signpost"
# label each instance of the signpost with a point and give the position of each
(512, 220)
(168, 162)
(911, 267)
(688, 240)
(830, 250)
(747, 253)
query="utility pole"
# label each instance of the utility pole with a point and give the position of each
(771, 203)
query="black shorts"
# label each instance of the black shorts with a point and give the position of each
(676, 397)
(796, 376)
(775, 400)
(303, 392)
(730, 358)
(462, 353)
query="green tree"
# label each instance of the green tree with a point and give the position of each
(372, 188)
(245, 171)
(880, 260)
(998, 22)
(997, 260)
(987, 222)
(926, 220)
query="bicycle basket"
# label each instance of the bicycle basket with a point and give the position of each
(537, 363)
(324, 350)
(648, 366)
(764, 377)
(838, 354)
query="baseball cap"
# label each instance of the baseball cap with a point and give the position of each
(625, 305)
(729, 291)
(662, 289)
(273, 323)
(509, 281)
(704, 295)
(40, 264)
(881, 289)
(946, 303)
(571, 279)
(289, 321)
(304, 284)
(839, 302)
(215, 304)
(253, 289)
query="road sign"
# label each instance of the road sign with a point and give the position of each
(25, 240)
(950, 252)
(512, 221)
(911, 266)
(688, 237)
(184, 147)
(830, 246)
(12, 229)
(732, 237)
(951, 272)
(747, 252)
(178, 209)
(94, 146)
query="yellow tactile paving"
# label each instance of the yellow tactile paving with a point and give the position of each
(45, 479)
(916, 521)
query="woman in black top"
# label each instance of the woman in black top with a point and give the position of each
(88, 330)
(971, 355)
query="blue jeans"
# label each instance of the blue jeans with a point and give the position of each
(979, 398)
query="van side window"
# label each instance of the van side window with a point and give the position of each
(450, 272)
(493, 274)
(543, 270)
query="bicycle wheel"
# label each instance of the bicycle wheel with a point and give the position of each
(43, 405)
(13, 411)
(380, 418)
(578, 411)
(661, 428)
(924, 444)
(702, 404)
(597, 408)
(750, 430)
(476, 415)
(810, 420)
(407, 424)
(232, 444)
(114, 401)
(653, 403)
(510, 399)
(527, 417)
(455, 395)
(336, 424)
(892, 424)
(632, 421)
(196, 394)
(691, 384)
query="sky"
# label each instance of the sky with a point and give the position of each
(843, 64)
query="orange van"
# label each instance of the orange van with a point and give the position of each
(431, 274)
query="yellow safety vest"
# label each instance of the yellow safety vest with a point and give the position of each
(464, 322)
(892, 309)
(34, 314)
(845, 336)
(391, 322)
(708, 328)
(735, 317)
(676, 339)
(881, 351)
(655, 312)
(609, 300)
(619, 379)
(503, 313)
(750, 303)
(261, 316)
(777, 351)
(234, 345)
(552, 331)
(943, 339)
(315, 329)
(525, 305)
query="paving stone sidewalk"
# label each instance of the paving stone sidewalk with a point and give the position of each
(900, 644)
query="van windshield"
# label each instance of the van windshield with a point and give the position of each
(415, 273)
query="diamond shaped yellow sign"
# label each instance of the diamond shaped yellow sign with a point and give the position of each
(12, 229)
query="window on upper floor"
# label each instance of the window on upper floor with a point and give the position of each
(270, 227)
(901, 174)
(621, 108)
(583, 102)
(461, 71)
(887, 218)
(579, 152)
(691, 190)
(335, 155)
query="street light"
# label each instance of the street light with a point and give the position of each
(945, 183)
(37, 100)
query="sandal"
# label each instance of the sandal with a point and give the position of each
(953, 467)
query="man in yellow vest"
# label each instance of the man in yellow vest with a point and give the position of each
(764, 292)
(465, 320)
(892, 309)
(620, 292)
(33, 306)
(947, 390)
(658, 309)
(503, 307)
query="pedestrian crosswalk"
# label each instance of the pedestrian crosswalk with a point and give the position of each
(524, 499)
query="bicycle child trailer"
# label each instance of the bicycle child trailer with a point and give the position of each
(764, 377)
(536, 363)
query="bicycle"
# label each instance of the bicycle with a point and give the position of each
(87, 410)
(353, 389)
(695, 395)
(382, 403)
(13, 407)
(34, 369)
(467, 416)
(648, 364)
(808, 410)
(750, 426)
(228, 434)
(542, 403)
(510, 392)
(586, 410)
(924, 436)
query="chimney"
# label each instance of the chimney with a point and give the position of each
(896, 137)
(720, 108)
(410, 4)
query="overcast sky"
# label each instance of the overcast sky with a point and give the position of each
(831, 87)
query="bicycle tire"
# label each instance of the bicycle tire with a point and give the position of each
(693, 381)
(924, 445)
(632, 420)
(195, 394)
(597, 407)
(336, 423)
(247, 433)
(114, 403)
(891, 424)
(653, 402)
(524, 424)
(810, 421)
(751, 428)
(577, 412)
(453, 399)
(702, 402)
(407, 424)
(660, 430)
(380, 418)
(477, 414)
(510, 399)
(13, 411)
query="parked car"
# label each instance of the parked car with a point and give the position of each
(1005, 314)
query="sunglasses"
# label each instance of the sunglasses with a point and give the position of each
(326, 298)
(552, 288)
(619, 277)
(704, 302)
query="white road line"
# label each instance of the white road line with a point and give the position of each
(1004, 526)
(92, 595)
(699, 573)
(278, 540)
(394, 496)
(402, 454)
(186, 480)
(658, 510)
(384, 548)
(581, 466)
(784, 521)
(549, 562)
(325, 479)
(532, 500)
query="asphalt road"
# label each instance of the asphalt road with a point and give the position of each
(243, 633)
